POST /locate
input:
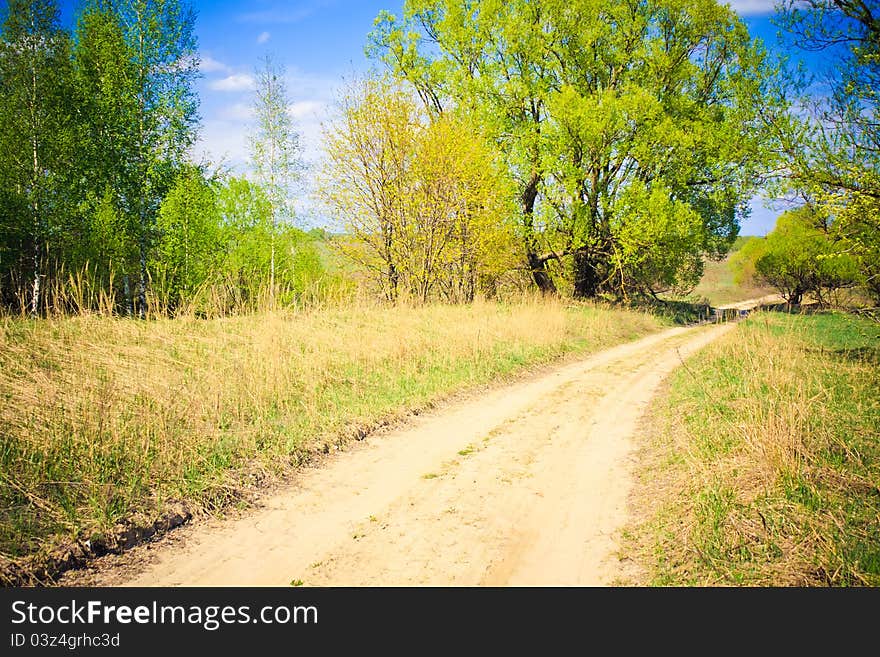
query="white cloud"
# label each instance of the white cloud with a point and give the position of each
(752, 7)
(223, 139)
(234, 82)
(226, 128)
(307, 109)
(210, 65)
(264, 37)
(241, 112)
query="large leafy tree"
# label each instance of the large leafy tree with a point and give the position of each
(630, 126)
(36, 143)
(834, 148)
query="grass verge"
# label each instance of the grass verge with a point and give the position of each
(107, 421)
(762, 464)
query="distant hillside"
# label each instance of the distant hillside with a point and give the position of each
(740, 242)
(717, 284)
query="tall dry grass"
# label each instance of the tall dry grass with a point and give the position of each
(765, 463)
(105, 418)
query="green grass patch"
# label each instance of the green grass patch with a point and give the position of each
(107, 420)
(763, 462)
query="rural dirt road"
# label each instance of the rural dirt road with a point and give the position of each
(524, 485)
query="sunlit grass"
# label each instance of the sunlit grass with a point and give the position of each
(103, 418)
(764, 465)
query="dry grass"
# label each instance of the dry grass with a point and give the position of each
(763, 466)
(103, 419)
(718, 286)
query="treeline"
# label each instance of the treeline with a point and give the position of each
(631, 137)
(100, 203)
(629, 132)
(802, 256)
(582, 148)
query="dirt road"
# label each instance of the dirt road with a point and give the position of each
(748, 304)
(525, 485)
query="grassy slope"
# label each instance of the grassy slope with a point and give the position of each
(104, 419)
(763, 466)
(717, 284)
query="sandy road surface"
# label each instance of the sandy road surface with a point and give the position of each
(525, 485)
(748, 304)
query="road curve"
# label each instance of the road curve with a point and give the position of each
(523, 485)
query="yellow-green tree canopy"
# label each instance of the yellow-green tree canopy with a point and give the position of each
(424, 199)
(799, 257)
(630, 126)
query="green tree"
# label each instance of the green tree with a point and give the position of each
(799, 257)
(254, 247)
(160, 37)
(36, 142)
(606, 113)
(246, 218)
(190, 243)
(833, 147)
(106, 78)
(274, 147)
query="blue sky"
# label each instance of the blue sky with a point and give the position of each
(320, 42)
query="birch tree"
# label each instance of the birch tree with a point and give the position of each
(164, 57)
(36, 132)
(275, 148)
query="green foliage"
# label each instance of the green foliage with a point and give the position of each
(97, 197)
(218, 245)
(605, 113)
(189, 242)
(800, 256)
(831, 151)
(36, 145)
(93, 131)
(106, 78)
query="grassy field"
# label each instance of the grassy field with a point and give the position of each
(718, 286)
(105, 420)
(762, 465)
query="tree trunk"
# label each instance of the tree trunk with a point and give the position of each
(142, 279)
(35, 290)
(589, 274)
(35, 208)
(391, 269)
(537, 265)
(272, 265)
(126, 291)
(540, 275)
